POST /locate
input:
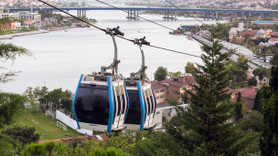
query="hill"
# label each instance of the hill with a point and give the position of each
(44, 125)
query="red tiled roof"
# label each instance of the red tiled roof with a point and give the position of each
(248, 93)
(157, 85)
(274, 33)
(273, 39)
(251, 33)
(176, 83)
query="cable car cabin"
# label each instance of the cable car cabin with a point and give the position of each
(100, 103)
(142, 106)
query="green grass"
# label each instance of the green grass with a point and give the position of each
(42, 124)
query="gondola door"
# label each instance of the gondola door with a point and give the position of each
(120, 103)
(149, 104)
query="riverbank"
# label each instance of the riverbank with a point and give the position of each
(11, 36)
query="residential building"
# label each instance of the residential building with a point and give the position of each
(248, 33)
(273, 41)
(36, 17)
(160, 92)
(11, 25)
(247, 96)
(8, 15)
(170, 88)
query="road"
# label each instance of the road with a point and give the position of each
(254, 62)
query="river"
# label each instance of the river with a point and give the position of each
(60, 57)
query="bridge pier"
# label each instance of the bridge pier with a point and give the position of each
(170, 15)
(78, 13)
(81, 13)
(133, 15)
(207, 15)
(214, 16)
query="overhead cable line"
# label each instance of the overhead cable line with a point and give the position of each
(203, 24)
(124, 38)
(72, 15)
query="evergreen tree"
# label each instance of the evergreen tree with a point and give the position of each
(262, 95)
(9, 52)
(204, 127)
(269, 140)
(238, 108)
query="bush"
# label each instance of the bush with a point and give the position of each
(34, 150)
(10, 104)
(25, 135)
(252, 81)
(6, 146)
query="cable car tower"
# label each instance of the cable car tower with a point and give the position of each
(101, 102)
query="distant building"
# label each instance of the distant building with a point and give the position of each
(160, 91)
(248, 33)
(9, 15)
(36, 17)
(273, 41)
(261, 34)
(48, 21)
(168, 88)
(274, 34)
(11, 25)
(235, 30)
(247, 95)
(274, 22)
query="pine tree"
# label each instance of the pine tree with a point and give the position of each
(205, 128)
(262, 95)
(238, 108)
(9, 52)
(269, 140)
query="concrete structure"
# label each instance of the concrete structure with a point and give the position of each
(27, 15)
(81, 13)
(170, 15)
(8, 15)
(30, 18)
(132, 15)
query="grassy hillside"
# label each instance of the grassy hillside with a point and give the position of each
(42, 124)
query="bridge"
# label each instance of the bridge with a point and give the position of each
(169, 13)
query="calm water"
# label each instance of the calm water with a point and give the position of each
(60, 57)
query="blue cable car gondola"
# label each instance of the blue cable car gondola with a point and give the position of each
(100, 102)
(142, 102)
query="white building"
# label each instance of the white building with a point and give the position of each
(261, 34)
(9, 15)
(29, 16)
(273, 41)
